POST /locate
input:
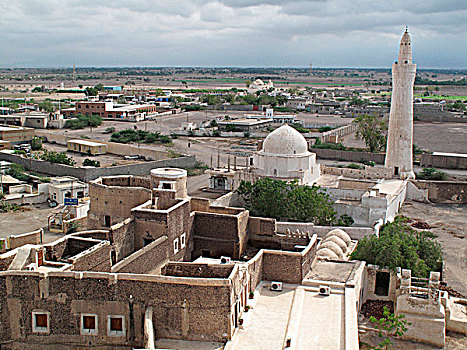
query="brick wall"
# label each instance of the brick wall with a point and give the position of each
(349, 155)
(122, 236)
(445, 162)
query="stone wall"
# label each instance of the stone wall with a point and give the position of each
(113, 200)
(350, 156)
(122, 236)
(184, 269)
(148, 259)
(441, 161)
(356, 233)
(444, 191)
(90, 173)
(222, 232)
(183, 308)
(34, 237)
(96, 258)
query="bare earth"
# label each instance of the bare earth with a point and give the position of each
(449, 223)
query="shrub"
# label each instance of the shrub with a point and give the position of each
(355, 166)
(36, 144)
(83, 121)
(109, 130)
(130, 135)
(91, 162)
(55, 157)
(431, 174)
(18, 172)
(345, 220)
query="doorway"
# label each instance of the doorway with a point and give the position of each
(382, 283)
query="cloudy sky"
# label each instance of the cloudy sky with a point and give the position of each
(246, 33)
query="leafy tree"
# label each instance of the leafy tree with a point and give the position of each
(372, 131)
(90, 91)
(280, 199)
(399, 245)
(389, 325)
(18, 172)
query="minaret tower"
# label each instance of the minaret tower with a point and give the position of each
(400, 134)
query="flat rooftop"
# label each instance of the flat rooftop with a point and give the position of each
(246, 121)
(445, 154)
(87, 143)
(332, 271)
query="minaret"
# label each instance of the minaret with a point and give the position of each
(400, 134)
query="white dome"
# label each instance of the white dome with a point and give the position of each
(337, 240)
(326, 253)
(341, 234)
(333, 247)
(285, 140)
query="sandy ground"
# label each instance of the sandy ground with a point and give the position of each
(449, 226)
(32, 218)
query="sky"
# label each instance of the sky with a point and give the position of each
(230, 33)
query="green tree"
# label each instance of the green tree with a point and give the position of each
(280, 199)
(91, 162)
(372, 130)
(399, 245)
(55, 157)
(389, 325)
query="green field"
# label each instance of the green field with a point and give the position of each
(431, 97)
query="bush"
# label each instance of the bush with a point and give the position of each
(325, 128)
(109, 130)
(91, 162)
(431, 174)
(399, 245)
(36, 144)
(55, 157)
(355, 166)
(345, 220)
(130, 135)
(18, 172)
(83, 121)
(299, 128)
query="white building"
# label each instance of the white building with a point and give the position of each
(285, 156)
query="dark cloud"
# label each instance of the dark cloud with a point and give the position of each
(230, 32)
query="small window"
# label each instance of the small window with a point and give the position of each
(88, 324)
(116, 325)
(40, 322)
(166, 186)
(183, 240)
(176, 248)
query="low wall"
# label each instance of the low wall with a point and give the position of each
(148, 259)
(356, 233)
(96, 258)
(350, 156)
(184, 269)
(339, 132)
(441, 161)
(16, 241)
(444, 191)
(367, 173)
(88, 174)
(120, 149)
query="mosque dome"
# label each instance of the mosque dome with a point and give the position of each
(285, 141)
(337, 240)
(333, 247)
(341, 234)
(326, 253)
